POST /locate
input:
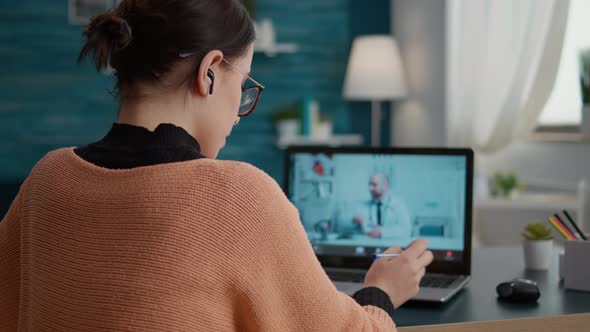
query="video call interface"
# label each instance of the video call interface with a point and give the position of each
(362, 204)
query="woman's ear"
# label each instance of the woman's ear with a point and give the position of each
(205, 81)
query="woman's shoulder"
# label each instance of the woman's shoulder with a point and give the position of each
(239, 175)
(234, 170)
(52, 160)
(226, 178)
(241, 187)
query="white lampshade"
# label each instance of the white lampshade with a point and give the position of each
(374, 70)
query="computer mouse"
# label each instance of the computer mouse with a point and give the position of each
(518, 291)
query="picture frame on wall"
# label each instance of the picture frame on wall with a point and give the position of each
(80, 11)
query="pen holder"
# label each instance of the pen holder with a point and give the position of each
(574, 267)
(561, 264)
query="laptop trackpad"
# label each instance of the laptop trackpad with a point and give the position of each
(348, 287)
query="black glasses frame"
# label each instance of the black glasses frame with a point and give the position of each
(259, 88)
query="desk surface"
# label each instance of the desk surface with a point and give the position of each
(564, 323)
(478, 302)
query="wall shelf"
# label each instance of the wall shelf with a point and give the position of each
(336, 140)
(539, 201)
(274, 49)
(266, 40)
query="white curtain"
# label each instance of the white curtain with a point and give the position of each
(502, 60)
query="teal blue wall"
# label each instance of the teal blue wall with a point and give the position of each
(321, 29)
(47, 101)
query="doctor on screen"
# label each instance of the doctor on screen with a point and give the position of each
(383, 215)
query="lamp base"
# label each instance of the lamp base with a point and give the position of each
(375, 123)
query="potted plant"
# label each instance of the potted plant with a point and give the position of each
(288, 121)
(506, 185)
(538, 246)
(323, 128)
(585, 88)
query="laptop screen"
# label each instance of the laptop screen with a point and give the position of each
(358, 204)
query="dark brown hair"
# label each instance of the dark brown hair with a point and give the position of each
(142, 39)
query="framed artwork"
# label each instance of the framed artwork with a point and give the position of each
(80, 11)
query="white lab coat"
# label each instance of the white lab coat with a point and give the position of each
(395, 217)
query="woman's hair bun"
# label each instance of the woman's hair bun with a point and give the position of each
(106, 35)
(113, 28)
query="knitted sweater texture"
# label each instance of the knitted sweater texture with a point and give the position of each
(200, 245)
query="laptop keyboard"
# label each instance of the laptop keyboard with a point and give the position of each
(437, 282)
(427, 281)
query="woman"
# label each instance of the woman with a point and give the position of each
(145, 230)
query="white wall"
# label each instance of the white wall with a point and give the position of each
(543, 163)
(419, 27)
(552, 165)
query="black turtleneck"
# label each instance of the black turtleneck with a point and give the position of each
(127, 146)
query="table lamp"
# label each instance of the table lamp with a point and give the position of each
(374, 73)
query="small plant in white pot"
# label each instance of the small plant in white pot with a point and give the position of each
(288, 122)
(506, 185)
(323, 128)
(538, 246)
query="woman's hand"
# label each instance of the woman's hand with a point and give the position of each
(400, 276)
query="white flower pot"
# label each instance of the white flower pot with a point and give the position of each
(288, 128)
(514, 193)
(322, 130)
(537, 254)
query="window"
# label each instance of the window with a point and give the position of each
(563, 109)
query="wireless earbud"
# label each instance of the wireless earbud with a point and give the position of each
(211, 75)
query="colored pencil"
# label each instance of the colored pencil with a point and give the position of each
(582, 235)
(560, 229)
(572, 233)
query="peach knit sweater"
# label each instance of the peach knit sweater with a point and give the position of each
(202, 245)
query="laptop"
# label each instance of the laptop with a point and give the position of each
(357, 202)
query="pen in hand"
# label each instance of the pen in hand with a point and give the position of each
(376, 256)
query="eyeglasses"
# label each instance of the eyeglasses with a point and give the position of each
(250, 94)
